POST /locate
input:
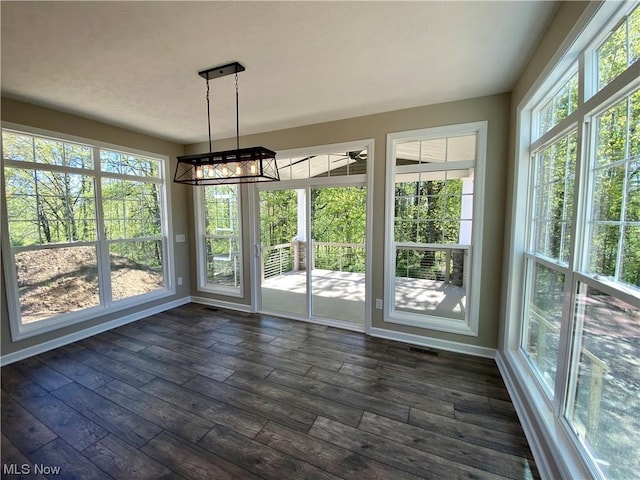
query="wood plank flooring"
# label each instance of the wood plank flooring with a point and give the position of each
(205, 393)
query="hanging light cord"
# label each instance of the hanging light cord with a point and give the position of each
(237, 117)
(209, 117)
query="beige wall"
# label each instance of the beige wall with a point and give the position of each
(494, 109)
(44, 118)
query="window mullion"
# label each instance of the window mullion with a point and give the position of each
(104, 265)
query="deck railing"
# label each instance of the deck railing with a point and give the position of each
(289, 257)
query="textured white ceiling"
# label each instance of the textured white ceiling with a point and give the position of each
(135, 64)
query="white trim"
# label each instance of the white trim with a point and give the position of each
(88, 332)
(214, 302)
(447, 345)
(470, 324)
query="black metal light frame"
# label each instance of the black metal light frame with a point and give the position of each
(241, 165)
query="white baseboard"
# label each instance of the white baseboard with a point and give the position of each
(88, 332)
(222, 304)
(434, 343)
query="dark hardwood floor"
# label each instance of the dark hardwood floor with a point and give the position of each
(202, 393)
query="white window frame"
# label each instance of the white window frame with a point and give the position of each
(470, 324)
(106, 306)
(201, 251)
(557, 450)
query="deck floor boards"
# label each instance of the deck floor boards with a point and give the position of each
(204, 393)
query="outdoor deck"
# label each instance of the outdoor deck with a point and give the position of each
(341, 295)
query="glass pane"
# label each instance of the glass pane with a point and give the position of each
(560, 106)
(131, 209)
(461, 148)
(49, 207)
(431, 151)
(631, 256)
(55, 281)
(338, 229)
(431, 211)
(432, 281)
(408, 153)
(17, 147)
(49, 151)
(603, 251)
(78, 156)
(136, 268)
(116, 162)
(612, 56)
(634, 36)
(221, 209)
(612, 134)
(634, 121)
(606, 382)
(223, 261)
(543, 319)
(632, 211)
(608, 193)
(284, 251)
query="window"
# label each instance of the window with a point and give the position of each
(433, 226)
(220, 258)
(86, 230)
(579, 319)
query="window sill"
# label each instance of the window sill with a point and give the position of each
(451, 325)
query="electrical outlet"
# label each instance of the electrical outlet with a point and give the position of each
(379, 303)
(179, 280)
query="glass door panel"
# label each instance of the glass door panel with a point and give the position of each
(338, 231)
(283, 279)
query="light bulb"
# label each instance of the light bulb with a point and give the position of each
(253, 169)
(198, 172)
(225, 171)
(238, 170)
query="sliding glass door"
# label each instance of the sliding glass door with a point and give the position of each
(310, 239)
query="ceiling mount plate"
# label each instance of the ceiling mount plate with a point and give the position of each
(221, 71)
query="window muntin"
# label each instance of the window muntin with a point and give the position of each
(620, 50)
(62, 232)
(222, 238)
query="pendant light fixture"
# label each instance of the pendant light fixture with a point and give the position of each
(242, 165)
